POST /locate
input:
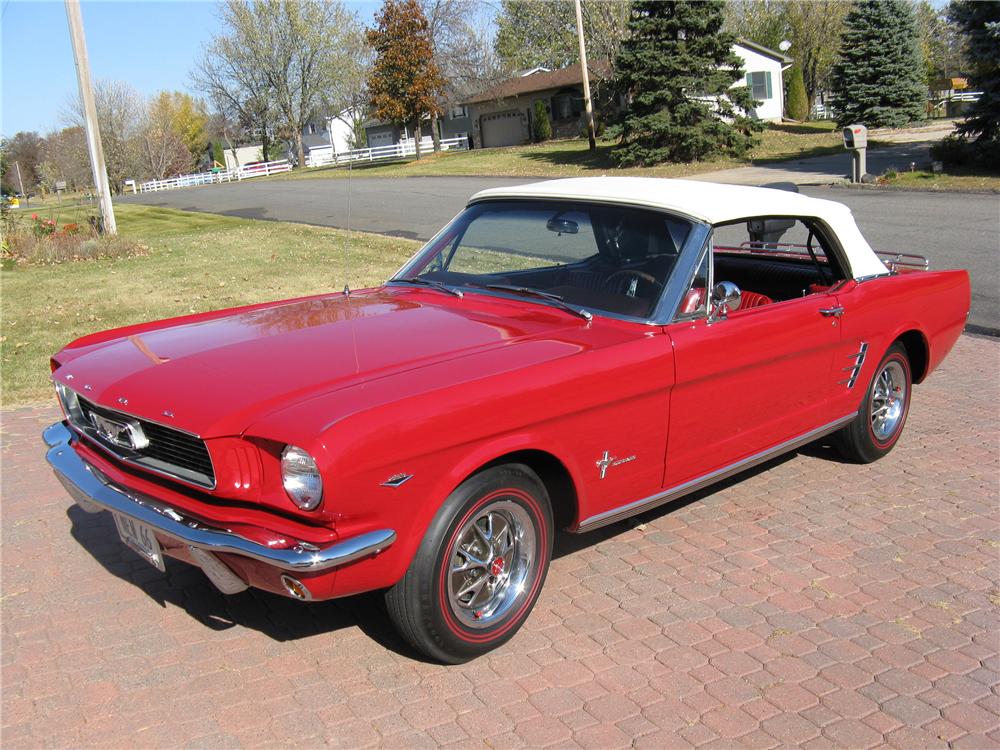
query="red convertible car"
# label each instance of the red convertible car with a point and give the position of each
(562, 355)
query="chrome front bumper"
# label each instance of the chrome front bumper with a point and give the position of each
(94, 493)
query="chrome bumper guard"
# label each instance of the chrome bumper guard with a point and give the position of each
(94, 493)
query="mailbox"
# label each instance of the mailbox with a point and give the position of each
(856, 136)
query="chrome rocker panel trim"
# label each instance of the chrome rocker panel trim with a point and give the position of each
(93, 494)
(648, 503)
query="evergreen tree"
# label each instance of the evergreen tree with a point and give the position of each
(879, 78)
(678, 70)
(796, 102)
(542, 128)
(981, 23)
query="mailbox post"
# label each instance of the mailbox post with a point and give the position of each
(856, 141)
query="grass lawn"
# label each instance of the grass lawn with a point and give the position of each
(197, 262)
(568, 158)
(955, 180)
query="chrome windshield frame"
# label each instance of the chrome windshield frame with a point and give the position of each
(670, 296)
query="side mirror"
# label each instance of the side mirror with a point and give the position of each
(726, 298)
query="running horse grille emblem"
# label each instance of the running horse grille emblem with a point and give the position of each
(127, 435)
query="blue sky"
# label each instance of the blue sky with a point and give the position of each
(149, 43)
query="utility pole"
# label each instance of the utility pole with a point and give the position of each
(92, 128)
(17, 166)
(591, 135)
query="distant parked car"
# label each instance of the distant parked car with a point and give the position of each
(564, 354)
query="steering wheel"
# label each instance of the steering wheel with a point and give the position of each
(609, 283)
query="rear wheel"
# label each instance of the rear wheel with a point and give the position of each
(883, 412)
(480, 567)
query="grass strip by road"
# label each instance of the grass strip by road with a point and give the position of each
(197, 262)
(572, 158)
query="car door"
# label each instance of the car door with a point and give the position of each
(750, 382)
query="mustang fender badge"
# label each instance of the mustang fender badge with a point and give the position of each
(607, 461)
(397, 480)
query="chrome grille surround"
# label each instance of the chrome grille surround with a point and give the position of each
(168, 451)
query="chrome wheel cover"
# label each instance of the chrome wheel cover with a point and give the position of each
(888, 401)
(491, 564)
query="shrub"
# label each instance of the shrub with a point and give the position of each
(797, 103)
(43, 243)
(542, 127)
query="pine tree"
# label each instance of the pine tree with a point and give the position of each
(678, 69)
(405, 82)
(879, 77)
(796, 102)
(981, 24)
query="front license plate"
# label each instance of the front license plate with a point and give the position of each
(140, 538)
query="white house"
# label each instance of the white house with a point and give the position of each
(244, 155)
(764, 70)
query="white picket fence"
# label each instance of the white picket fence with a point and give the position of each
(322, 157)
(318, 157)
(263, 169)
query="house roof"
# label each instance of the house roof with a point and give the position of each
(706, 201)
(541, 81)
(761, 49)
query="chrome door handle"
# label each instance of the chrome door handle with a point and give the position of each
(831, 312)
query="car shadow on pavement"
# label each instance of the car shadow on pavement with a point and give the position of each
(283, 619)
(186, 587)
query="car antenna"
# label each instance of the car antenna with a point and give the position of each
(347, 238)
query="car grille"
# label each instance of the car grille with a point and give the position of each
(171, 452)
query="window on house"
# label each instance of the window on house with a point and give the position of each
(567, 106)
(760, 84)
(457, 112)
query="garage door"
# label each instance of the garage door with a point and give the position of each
(380, 138)
(502, 129)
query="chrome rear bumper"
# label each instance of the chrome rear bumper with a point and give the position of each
(94, 492)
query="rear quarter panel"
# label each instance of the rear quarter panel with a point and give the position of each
(934, 303)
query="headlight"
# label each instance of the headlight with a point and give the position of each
(301, 478)
(70, 403)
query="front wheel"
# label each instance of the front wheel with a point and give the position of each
(480, 567)
(883, 412)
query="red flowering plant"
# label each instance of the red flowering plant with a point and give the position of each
(42, 227)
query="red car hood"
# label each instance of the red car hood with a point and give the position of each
(217, 375)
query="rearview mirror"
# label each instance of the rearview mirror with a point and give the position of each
(562, 226)
(726, 298)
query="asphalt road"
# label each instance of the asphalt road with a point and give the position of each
(953, 230)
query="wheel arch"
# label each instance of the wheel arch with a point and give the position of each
(917, 352)
(554, 475)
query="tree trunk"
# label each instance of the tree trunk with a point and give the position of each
(416, 136)
(299, 151)
(435, 132)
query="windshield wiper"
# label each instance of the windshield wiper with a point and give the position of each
(527, 291)
(431, 283)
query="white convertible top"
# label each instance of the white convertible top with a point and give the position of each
(710, 202)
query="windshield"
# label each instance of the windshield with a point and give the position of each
(612, 259)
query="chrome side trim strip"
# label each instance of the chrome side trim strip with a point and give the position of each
(93, 494)
(693, 485)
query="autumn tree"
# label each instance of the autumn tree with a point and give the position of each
(462, 52)
(65, 158)
(533, 33)
(22, 152)
(120, 112)
(678, 70)
(405, 82)
(764, 22)
(814, 29)
(274, 62)
(880, 78)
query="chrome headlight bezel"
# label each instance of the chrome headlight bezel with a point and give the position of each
(69, 400)
(301, 478)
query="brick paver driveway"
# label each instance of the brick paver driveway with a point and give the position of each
(809, 603)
